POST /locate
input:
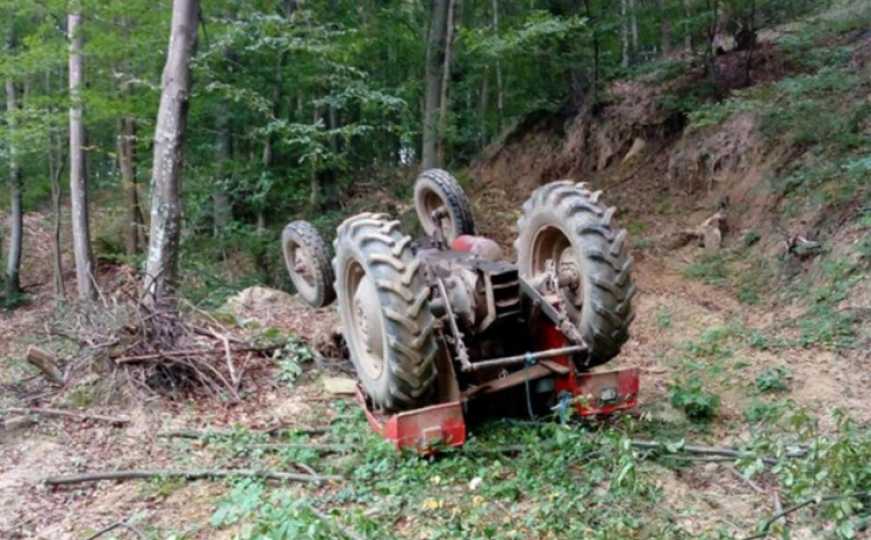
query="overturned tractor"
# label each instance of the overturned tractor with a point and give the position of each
(442, 326)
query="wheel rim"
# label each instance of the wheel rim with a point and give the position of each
(429, 201)
(366, 331)
(552, 253)
(301, 269)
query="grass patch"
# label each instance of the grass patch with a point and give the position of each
(709, 269)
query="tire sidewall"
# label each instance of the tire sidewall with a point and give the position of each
(349, 252)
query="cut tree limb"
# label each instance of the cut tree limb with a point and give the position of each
(197, 434)
(115, 420)
(46, 363)
(16, 422)
(132, 474)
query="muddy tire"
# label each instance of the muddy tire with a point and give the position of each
(563, 222)
(307, 259)
(435, 189)
(383, 304)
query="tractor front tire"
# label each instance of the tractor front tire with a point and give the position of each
(383, 303)
(564, 225)
(308, 263)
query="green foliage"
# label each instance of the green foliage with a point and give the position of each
(291, 358)
(663, 317)
(710, 269)
(764, 412)
(774, 379)
(830, 469)
(824, 324)
(750, 238)
(11, 302)
(690, 396)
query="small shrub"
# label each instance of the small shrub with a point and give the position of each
(663, 317)
(773, 379)
(751, 238)
(291, 358)
(710, 269)
(760, 411)
(691, 397)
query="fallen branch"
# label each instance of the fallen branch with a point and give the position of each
(320, 448)
(115, 420)
(348, 533)
(196, 434)
(763, 532)
(708, 450)
(188, 475)
(112, 527)
(46, 363)
(16, 422)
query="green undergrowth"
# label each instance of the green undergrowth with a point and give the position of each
(562, 481)
(757, 280)
(521, 479)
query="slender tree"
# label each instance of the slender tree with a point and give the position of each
(435, 49)
(78, 178)
(162, 262)
(16, 232)
(55, 170)
(445, 83)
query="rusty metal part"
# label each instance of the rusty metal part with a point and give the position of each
(461, 353)
(526, 357)
(560, 319)
(542, 369)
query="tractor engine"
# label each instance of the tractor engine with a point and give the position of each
(473, 284)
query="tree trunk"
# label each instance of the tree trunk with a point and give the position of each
(314, 181)
(500, 100)
(633, 25)
(624, 34)
(162, 262)
(688, 36)
(55, 170)
(127, 165)
(435, 47)
(483, 105)
(78, 178)
(446, 79)
(664, 27)
(222, 212)
(16, 223)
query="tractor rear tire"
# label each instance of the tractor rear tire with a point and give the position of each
(308, 263)
(564, 222)
(434, 189)
(383, 303)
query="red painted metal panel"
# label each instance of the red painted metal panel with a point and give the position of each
(596, 393)
(423, 430)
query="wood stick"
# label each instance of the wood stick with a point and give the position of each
(737, 474)
(197, 434)
(116, 525)
(320, 448)
(703, 450)
(46, 363)
(16, 422)
(197, 474)
(798, 506)
(228, 356)
(348, 533)
(116, 420)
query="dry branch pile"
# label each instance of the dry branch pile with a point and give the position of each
(157, 349)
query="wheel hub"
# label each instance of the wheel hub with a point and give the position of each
(367, 327)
